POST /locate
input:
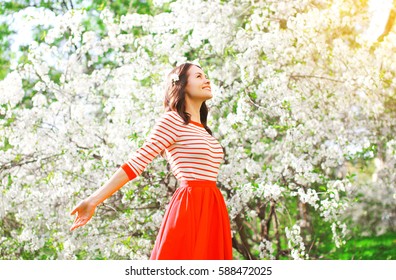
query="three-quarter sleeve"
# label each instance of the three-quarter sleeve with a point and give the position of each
(163, 135)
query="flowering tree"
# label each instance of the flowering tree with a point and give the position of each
(297, 102)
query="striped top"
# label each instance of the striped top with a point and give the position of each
(193, 154)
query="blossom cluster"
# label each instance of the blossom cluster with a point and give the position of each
(295, 242)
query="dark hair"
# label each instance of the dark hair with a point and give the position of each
(175, 96)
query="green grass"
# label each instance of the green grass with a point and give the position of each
(381, 247)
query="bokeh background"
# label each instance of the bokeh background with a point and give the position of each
(304, 104)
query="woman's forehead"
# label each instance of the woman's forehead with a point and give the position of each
(195, 70)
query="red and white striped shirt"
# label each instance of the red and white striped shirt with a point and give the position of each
(191, 151)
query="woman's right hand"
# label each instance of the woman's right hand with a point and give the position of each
(85, 211)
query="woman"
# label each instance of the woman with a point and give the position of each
(196, 224)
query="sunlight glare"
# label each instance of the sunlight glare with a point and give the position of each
(379, 12)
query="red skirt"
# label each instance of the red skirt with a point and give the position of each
(195, 226)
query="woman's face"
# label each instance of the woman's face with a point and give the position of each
(198, 86)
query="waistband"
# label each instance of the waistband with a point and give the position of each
(197, 183)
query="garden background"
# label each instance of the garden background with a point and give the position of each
(303, 102)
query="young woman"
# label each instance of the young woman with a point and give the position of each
(196, 225)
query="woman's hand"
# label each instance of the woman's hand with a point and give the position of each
(85, 211)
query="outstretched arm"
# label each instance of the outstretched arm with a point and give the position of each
(86, 208)
(118, 180)
(163, 135)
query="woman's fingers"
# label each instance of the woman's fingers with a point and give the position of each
(84, 214)
(76, 209)
(76, 219)
(78, 222)
(76, 225)
(73, 211)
